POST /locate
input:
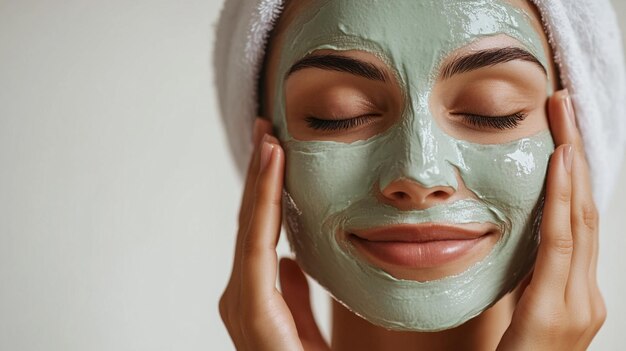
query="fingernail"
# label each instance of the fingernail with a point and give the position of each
(567, 158)
(266, 152)
(569, 108)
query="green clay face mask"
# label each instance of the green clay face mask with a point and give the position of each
(329, 185)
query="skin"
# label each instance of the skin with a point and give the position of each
(558, 308)
(329, 202)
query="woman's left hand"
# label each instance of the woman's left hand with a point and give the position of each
(562, 308)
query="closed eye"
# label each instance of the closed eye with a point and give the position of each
(338, 124)
(493, 122)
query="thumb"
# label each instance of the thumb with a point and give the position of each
(295, 290)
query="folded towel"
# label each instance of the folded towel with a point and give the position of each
(584, 35)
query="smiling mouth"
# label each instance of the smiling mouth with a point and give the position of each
(424, 246)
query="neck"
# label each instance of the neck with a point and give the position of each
(351, 332)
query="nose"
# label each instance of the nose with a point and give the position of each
(406, 194)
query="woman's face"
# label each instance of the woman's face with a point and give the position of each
(417, 144)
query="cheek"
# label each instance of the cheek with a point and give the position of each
(509, 176)
(324, 178)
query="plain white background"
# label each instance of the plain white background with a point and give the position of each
(117, 195)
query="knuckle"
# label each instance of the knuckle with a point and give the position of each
(224, 307)
(600, 313)
(267, 196)
(275, 202)
(249, 249)
(563, 246)
(589, 216)
(549, 320)
(549, 326)
(581, 323)
(254, 252)
(564, 195)
(250, 246)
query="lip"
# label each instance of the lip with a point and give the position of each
(427, 245)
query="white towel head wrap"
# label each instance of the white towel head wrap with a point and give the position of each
(584, 36)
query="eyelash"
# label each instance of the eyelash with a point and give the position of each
(496, 122)
(338, 124)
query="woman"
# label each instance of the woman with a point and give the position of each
(413, 187)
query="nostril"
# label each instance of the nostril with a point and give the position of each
(440, 194)
(437, 195)
(408, 194)
(399, 195)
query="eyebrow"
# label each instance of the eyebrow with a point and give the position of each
(339, 63)
(487, 58)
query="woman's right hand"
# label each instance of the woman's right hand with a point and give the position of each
(256, 314)
(562, 308)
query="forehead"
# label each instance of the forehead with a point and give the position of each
(292, 8)
(405, 29)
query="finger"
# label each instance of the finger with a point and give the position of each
(555, 249)
(584, 212)
(584, 233)
(295, 290)
(229, 307)
(585, 221)
(259, 245)
(562, 120)
(261, 127)
(582, 292)
(584, 216)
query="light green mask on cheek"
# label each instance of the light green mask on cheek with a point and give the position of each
(328, 185)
